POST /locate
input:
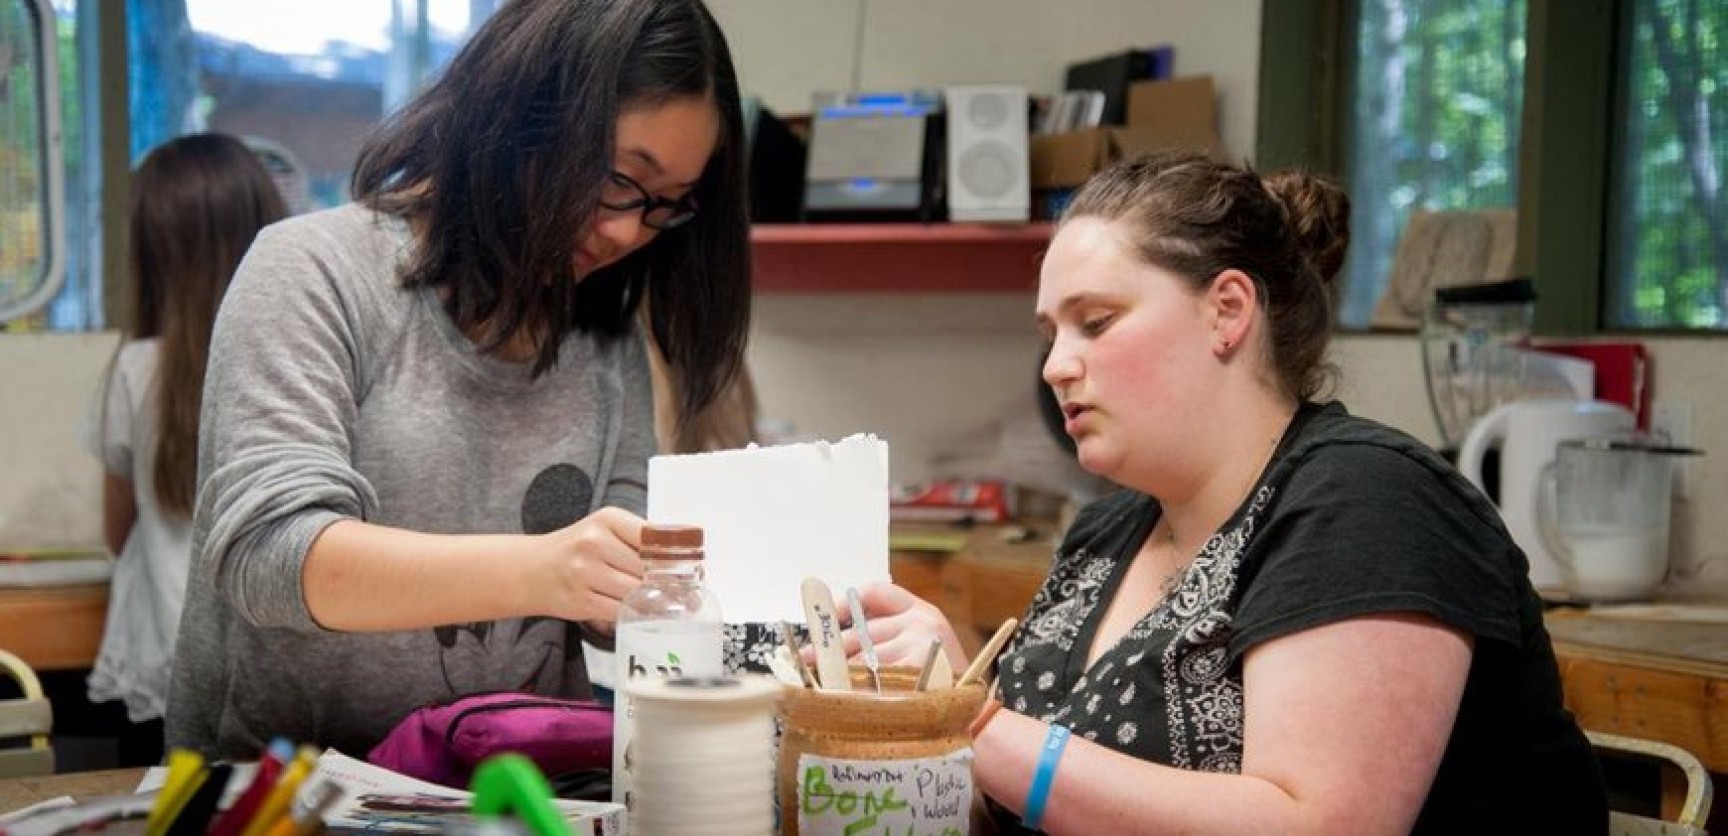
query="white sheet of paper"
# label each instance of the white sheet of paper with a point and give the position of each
(772, 516)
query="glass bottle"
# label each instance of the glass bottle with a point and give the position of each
(668, 626)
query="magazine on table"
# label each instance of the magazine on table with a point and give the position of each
(377, 800)
(373, 800)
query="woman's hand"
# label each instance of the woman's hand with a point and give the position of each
(594, 564)
(901, 626)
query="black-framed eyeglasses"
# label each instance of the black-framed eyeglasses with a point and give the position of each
(622, 194)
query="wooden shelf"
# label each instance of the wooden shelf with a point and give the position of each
(898, 258)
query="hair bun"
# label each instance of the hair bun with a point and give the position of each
(1319, 213)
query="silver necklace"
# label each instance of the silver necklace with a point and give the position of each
(1173, 580)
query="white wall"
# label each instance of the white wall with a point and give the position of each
(786, 50)
(50, 487)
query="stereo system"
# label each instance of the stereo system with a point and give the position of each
(959, 154)
(875, 156)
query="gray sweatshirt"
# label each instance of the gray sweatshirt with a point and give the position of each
(334, 393)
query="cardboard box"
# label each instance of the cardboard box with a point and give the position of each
(1181, 113)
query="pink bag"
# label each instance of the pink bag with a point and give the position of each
(444, 743)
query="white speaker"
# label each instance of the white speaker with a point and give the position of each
(987, 162)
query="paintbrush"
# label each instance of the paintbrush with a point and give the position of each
(987, 655)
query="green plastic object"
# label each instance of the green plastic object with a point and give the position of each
(510, 784)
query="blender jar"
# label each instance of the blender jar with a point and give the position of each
(1472, 339)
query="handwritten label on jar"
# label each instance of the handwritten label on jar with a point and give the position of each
(917, 797)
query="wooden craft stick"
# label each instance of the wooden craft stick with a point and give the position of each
(924, 670)
(831, 669)
(988, 654)
(941, 673)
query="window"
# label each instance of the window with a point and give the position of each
(310, 78)
(32, 216)
(302, 82)
(1618, 155)
(1433, 117)
(1668, 243)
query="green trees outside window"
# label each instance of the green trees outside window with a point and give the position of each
(1668, 245)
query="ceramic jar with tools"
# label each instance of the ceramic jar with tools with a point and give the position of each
(899, 757)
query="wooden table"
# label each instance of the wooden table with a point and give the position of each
(54, 627)
(17, 793)
(1654, 678)
(1659, 679)
(991, 578)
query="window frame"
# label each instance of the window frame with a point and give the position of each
(50, 166)
(1572, 129)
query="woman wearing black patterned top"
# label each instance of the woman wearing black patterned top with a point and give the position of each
(1292, 620)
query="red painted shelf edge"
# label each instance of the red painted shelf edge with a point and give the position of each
(898, 258)
(897, 233)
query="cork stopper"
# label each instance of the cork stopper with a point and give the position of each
(683, 541)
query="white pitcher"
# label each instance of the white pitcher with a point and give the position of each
(1527, 433)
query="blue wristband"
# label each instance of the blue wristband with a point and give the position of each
(1039, 794)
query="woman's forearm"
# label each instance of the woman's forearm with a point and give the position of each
(364, 577)
(1096, 790)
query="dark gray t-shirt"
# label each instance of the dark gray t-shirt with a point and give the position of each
(332, 393)
(1350, 518)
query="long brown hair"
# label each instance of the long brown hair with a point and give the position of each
(197, 203)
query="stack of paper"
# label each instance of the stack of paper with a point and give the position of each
(772, 516)
(378, 800)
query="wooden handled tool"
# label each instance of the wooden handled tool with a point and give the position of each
(861, 627)
(790, 636)
(929, 666)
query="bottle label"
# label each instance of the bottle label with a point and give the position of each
(657, 649)
(669, 649)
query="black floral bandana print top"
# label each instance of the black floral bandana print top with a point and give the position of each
(1168, 691)
(1350, 518)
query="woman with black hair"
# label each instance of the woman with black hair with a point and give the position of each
(426, 443)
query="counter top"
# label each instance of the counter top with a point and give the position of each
(1677, 645)
(1656, 678)
(54, 627)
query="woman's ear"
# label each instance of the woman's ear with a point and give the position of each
(1235, 302)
